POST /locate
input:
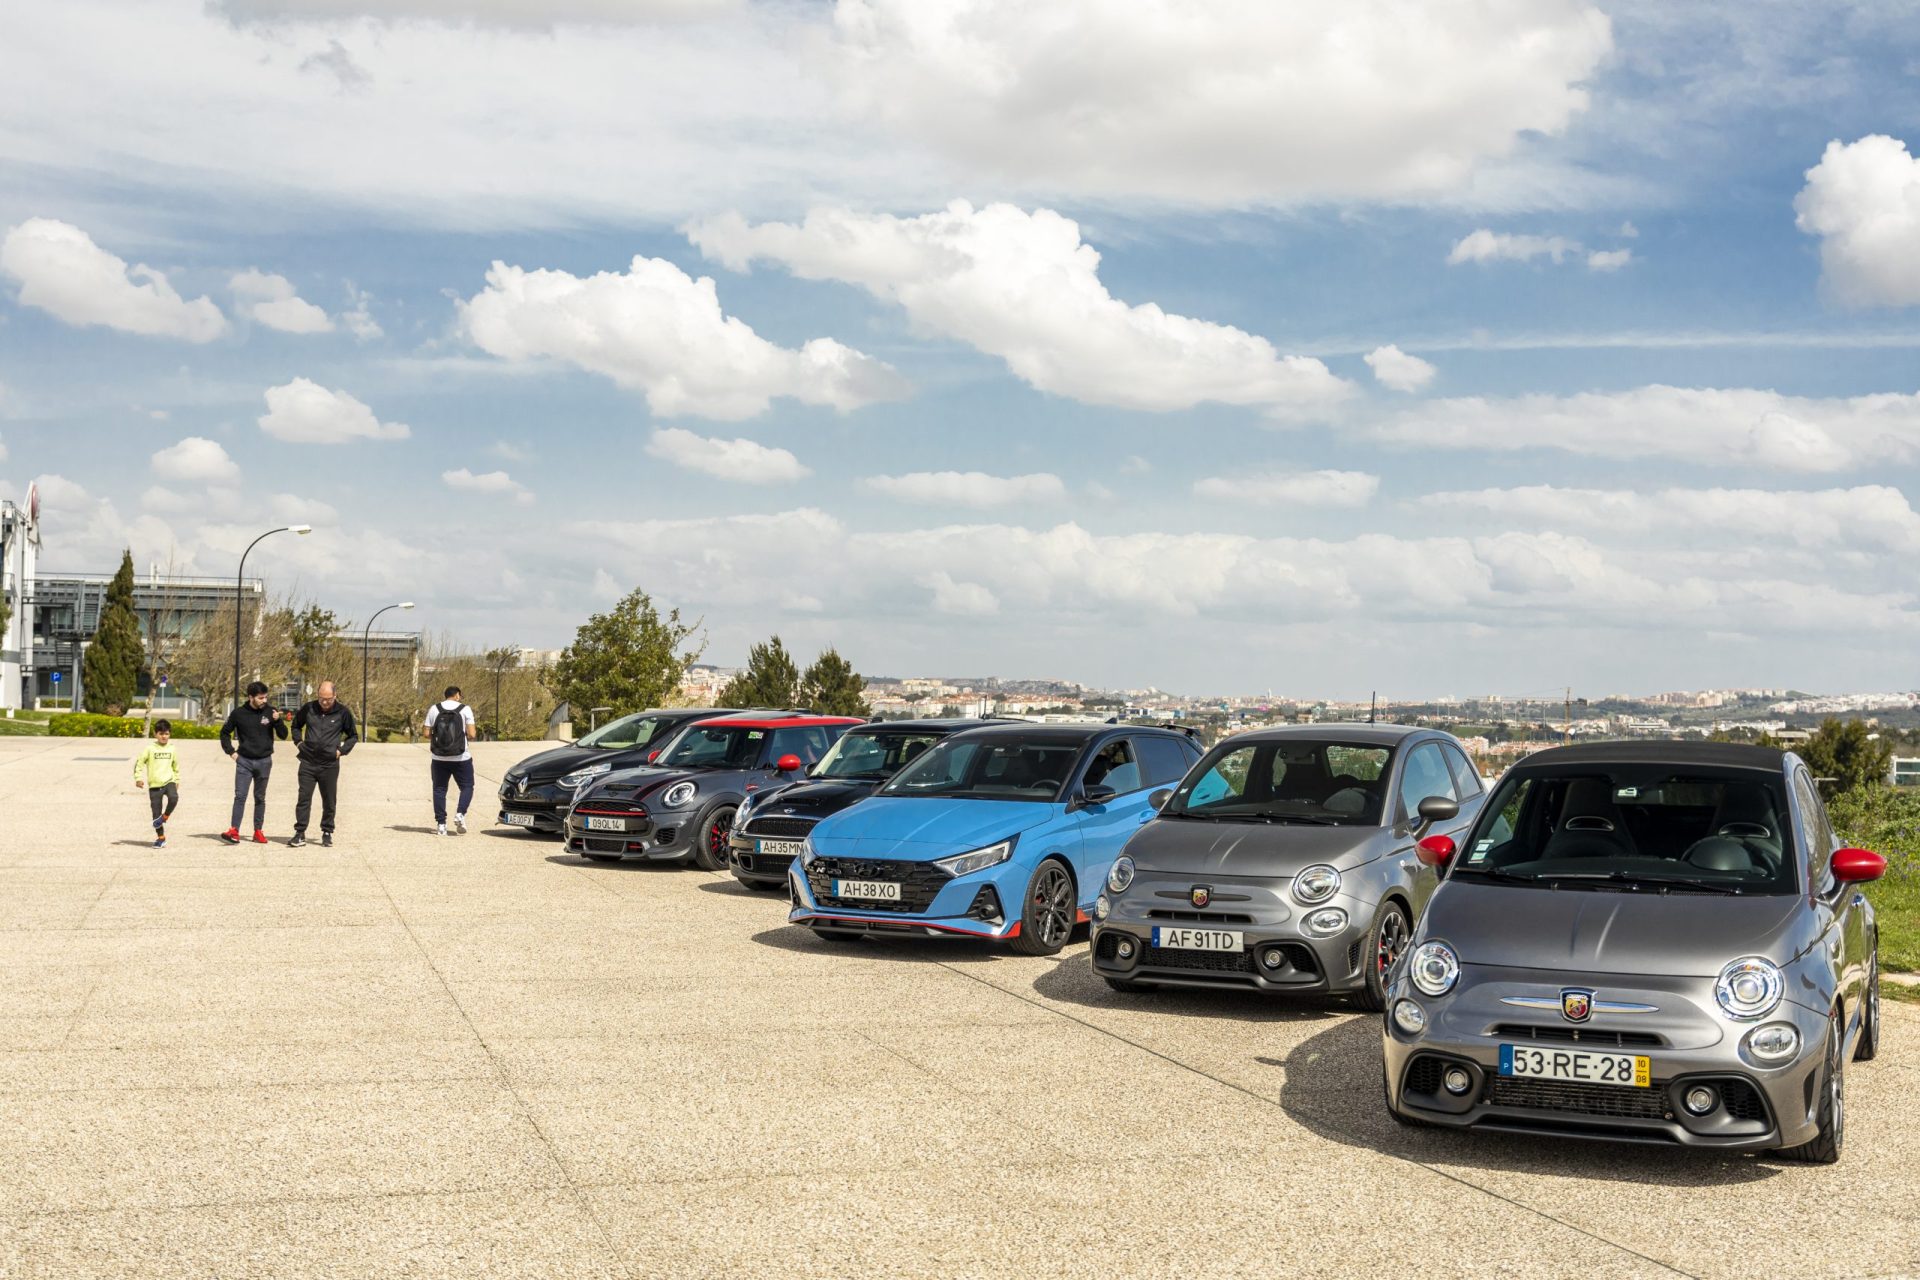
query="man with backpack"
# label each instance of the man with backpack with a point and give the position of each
(450, 728)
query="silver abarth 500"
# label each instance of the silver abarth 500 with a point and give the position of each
(1285, 862)
(1654, 942)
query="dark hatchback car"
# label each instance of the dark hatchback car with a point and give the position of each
(771, 823)
(535, 793)
(680, 808)
(1644, 942)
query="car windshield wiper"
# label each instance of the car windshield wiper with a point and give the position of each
(1638, 878)
(1306, 819)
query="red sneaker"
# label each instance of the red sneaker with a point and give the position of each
(259, 837)
(231, 835)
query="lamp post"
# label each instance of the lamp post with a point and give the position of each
(366, 646)
(239, 592)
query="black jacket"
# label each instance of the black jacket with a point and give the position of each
(256, 731)
(324, 736)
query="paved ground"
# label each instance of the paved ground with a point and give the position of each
(412, 1056)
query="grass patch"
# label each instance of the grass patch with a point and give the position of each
(1887, 821)
(22, 728)
(1904, 992)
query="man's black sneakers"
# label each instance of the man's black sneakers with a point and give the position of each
(326, 839)
(297, 841)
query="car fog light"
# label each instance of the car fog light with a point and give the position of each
(1273, 958)
(1775, 1042)
(1700, 1100)
(1325, 923)
(1409, 1017)
(1101, 907)
(1124, 949)
(1457, 1080)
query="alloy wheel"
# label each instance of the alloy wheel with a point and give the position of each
(718, 832)
(1393, 939)
(1053, 901)
(1836, 1085)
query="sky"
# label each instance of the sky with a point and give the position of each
(1221, 346)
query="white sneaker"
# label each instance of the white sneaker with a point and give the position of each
(442, 830)
(460, 823)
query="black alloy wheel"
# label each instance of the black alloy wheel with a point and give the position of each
(1047, 920)
(1867, 1048)
(714, 853)
(1831, 1115)
(1389, 937)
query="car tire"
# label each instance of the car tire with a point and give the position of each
(1867, 1047)
(712, 852)
(1831, 1116)
(1048, 910)
(1391, 932)
(1128, 986)
(837, 936)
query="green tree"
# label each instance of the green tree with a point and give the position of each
(833, 688)
(1847, 755)
(316, 643)
(112, 668)
(629, 658)
(770, 680)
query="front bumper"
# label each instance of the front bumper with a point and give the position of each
(1686, 1040)
(974, 906)
(541, 807)
(643, 839)
(1278, 954)
(753, 865)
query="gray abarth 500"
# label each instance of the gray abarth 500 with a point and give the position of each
(1285, 862)
(1654, 942)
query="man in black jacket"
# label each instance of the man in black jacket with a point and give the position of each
(248, 737)
(323, 731)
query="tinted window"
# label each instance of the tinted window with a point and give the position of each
(704, 747)
(1426, 775)
(873, 754)
(1163, 760)
(1466, 779)
(1000, 767)
(1116, 765)
(809, 742)
(627, 731)
(1298, 778)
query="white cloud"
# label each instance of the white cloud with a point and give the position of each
(489, 483)
(960, 599)
(1608, 259)
(1296, 488)
(743, 461)
(63, 272)
(1710, 426)
(536, 14)
(1500, 246)
(1231, 102)
(1394, 368)
(657, 330)
(304, 412)
(1863, 201)
(358, 318)
(273, 301)
(968, 488)
(196, 460)
(1025, 287)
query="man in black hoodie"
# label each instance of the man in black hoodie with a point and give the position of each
(324, 731)
(248, 737)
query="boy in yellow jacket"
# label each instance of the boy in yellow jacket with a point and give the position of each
(158, 770)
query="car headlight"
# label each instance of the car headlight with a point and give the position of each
(1326, 922)
(1102, 908)
(1434, 968)
(680, 793)
(579, 777)
(1750, 987)
(1315, 884)
(807, 855)
(1120, 874)
(965, 864)
(746, 806)
(1409, 1017)
(1775, 1042)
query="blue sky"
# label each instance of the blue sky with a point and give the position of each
(1036, 341)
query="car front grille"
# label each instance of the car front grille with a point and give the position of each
(591, 845)
(769, 865)
(1423, 1074)
(514, 804)
(1209, 961)
(919, 882)
(1579, 1035)
(1742, 1100)
(779, 828)
(1202, 917)
(1608, 1101)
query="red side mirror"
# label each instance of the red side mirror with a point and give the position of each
(788, 764)
(1855, 866)
(1435, 851)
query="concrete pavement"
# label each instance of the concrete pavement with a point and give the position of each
(414, 1056)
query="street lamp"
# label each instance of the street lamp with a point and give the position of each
(366, 642)
(239, 590)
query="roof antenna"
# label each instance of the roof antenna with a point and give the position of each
(1373, 706)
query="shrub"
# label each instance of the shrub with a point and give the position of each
(91, 726)
(1887, 821)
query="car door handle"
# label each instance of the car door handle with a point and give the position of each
(1146, 817)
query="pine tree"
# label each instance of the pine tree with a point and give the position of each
(833, 688)
(112, 667)
(770, 680)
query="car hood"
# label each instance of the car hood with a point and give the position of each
(639, 782)
(956, 826)
(1186, 847)
(545, 766)
(812, 799)
(1596, 931)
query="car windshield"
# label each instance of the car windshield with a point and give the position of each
(704, 746)
(628, 731)
(1306, 780)
(999, 767)
(1635, 827)
(873, 754)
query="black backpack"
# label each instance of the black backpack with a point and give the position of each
(449, 732)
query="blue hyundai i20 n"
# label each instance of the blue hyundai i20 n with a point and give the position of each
(999, 832)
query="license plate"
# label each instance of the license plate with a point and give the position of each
(779, 848)
(1198, 939)
(870, 890)
(519, 819)
(1632, 1069)
(606, 824)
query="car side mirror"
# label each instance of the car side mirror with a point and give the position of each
(1435, 851)
(1091, 794)
(788, 763)
(1158, 800)
(1857, 866)
(1434, 809)
(653, 755)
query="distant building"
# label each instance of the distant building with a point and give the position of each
(19, 549)
(1904, 771)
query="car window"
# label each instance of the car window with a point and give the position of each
(711, 747)
(1426, 775)
(1224, 779)
(1466, 779)
(1294, 778)
(873, 754)
(809, 742)
(1163, 760)
(627, 731)
(1820, 841)
(1116, 765)
(1000, 767)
